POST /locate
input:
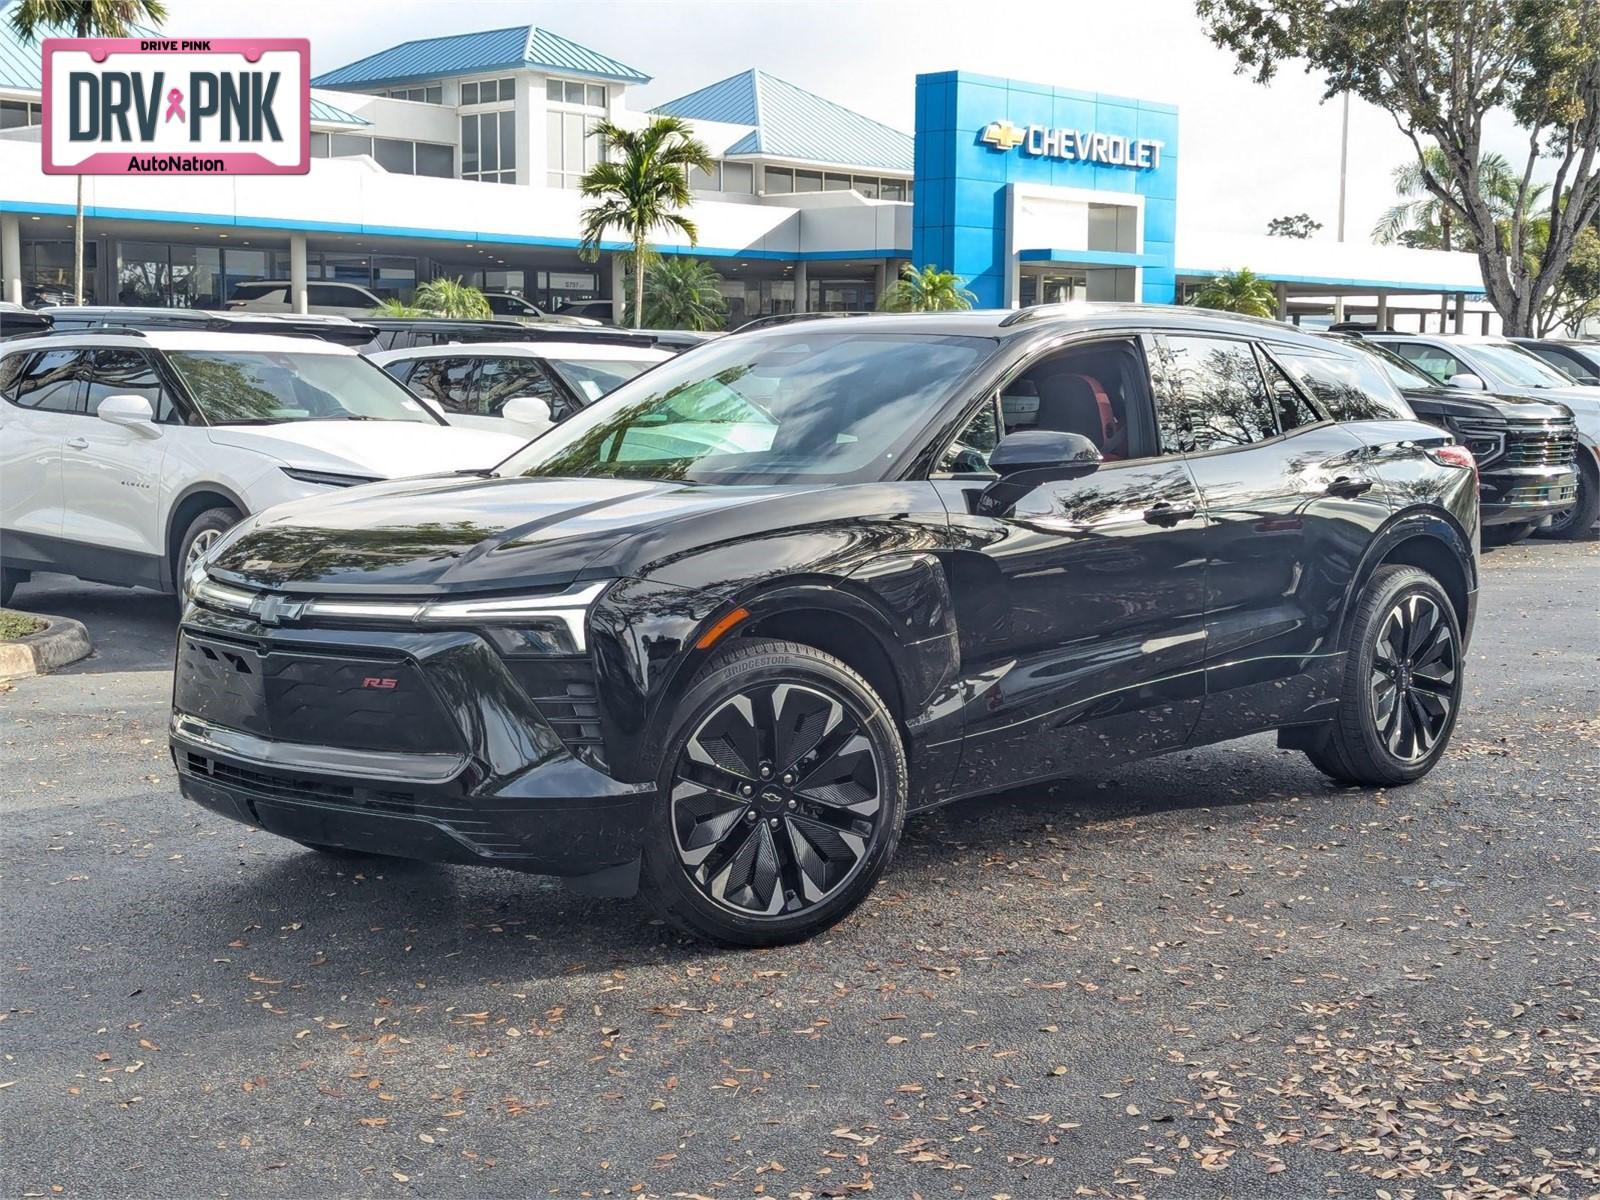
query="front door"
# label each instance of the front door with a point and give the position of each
(113, 473)
(43, 394)
(1083, 629)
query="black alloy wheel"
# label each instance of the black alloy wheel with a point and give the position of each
(781, 799)
(1401, 684)
(1414, 678)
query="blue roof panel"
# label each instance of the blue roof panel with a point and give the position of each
(791, 122)
(520, 47)
(21, 64)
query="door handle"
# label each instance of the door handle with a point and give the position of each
(1347, 487)
(78, 443)
(1169, 514)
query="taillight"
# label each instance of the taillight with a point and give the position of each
(1453, 456)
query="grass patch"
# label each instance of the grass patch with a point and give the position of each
(15, 625)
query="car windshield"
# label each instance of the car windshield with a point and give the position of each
(1520, 367)
(800, 407)
(260, 387)
(1401, 373)
(591, 380)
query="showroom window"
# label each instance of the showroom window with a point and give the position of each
(489, 147)
(14, 114)
(488, 91)
(573, 110)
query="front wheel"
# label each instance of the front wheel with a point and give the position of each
(1402, 683)
(203, 533)
(781, 796)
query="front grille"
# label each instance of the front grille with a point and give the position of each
(1541, 495)
(1539, 448)
(564, 692)
(362, 703)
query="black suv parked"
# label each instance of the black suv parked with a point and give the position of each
(1526, 448)
(714, 637)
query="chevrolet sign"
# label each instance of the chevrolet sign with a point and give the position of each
(1074, 145)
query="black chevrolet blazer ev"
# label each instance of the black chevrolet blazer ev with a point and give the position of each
(714, 637)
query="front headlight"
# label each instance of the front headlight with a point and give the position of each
(327, 478)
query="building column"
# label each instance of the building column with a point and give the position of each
(1483, 326)
(1338, 309)
(1282, 291)
(1461, 312)
(1381, 321)
(11, 257)
(619, 288)
(880, 280)
(297, 272)
(802, 287)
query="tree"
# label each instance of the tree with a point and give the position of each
(1575, 299)
(1422, 221)
(1241, 291)
(1439, 67)
(444, 297)
(1300, 225)
(927, 289)
(684, 294)
(33, 19)
(640, 188)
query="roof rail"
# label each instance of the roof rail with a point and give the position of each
(80, 330)
(1034, 311)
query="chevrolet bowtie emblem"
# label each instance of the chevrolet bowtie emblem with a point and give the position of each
(1003, 135)
(273, 609)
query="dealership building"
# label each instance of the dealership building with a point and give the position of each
(460, 155)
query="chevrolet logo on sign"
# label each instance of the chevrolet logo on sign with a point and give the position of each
(1003, 135)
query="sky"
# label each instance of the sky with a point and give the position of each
(1247, 153)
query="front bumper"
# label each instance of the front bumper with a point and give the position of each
(451, 761)
(1510, 495)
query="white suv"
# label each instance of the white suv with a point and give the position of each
(326, 299)
(125, 455)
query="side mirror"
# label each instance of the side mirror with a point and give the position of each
(131, 412)
(1029, 457)
(1061, 454)
(1468, 381)
(528, 410)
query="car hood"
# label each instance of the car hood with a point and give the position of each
(1458, 402)
(439, 535)
(384, 449)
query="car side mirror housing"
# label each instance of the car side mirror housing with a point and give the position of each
(131, 412)
(1047, 450)
(1468, 381)
(528, 410)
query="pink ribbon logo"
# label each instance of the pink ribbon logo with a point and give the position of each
(175, 105)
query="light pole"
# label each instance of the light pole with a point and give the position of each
(1344, 162)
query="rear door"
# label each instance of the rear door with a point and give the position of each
(1290, 508)
(43, 395)
(112, 472)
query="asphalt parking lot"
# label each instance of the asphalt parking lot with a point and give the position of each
(1214, 974)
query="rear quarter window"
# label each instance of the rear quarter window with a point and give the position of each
(1348, 387)
(10, 368)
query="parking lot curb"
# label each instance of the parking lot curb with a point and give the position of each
(62, 641)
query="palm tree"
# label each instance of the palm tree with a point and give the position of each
(444, 297)
(925, 289)
(1241, 291)
(1422, 220)
(683, 295)
(86, 19)
(641, 188)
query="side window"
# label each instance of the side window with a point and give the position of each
(1431, 360)
(10, 369)
(1099, 390)
(129, 373)
(50, 382)
(1348, 387)
(331, 295)
(446, 381)
(502, 379)
(1219, 386)
(400, 370)
(1294, 410)
(261, 292)
(1566, 361)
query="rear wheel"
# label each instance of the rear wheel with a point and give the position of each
(1402, 683)
(1575, 523)
(782, 793)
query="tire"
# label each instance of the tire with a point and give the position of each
(10, 577)
(1508, 535)
(1375, 744)
(202, 532)
(1576, 523)
(743, 851)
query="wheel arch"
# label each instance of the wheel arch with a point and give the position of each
(1430, 541)
(188, 505)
